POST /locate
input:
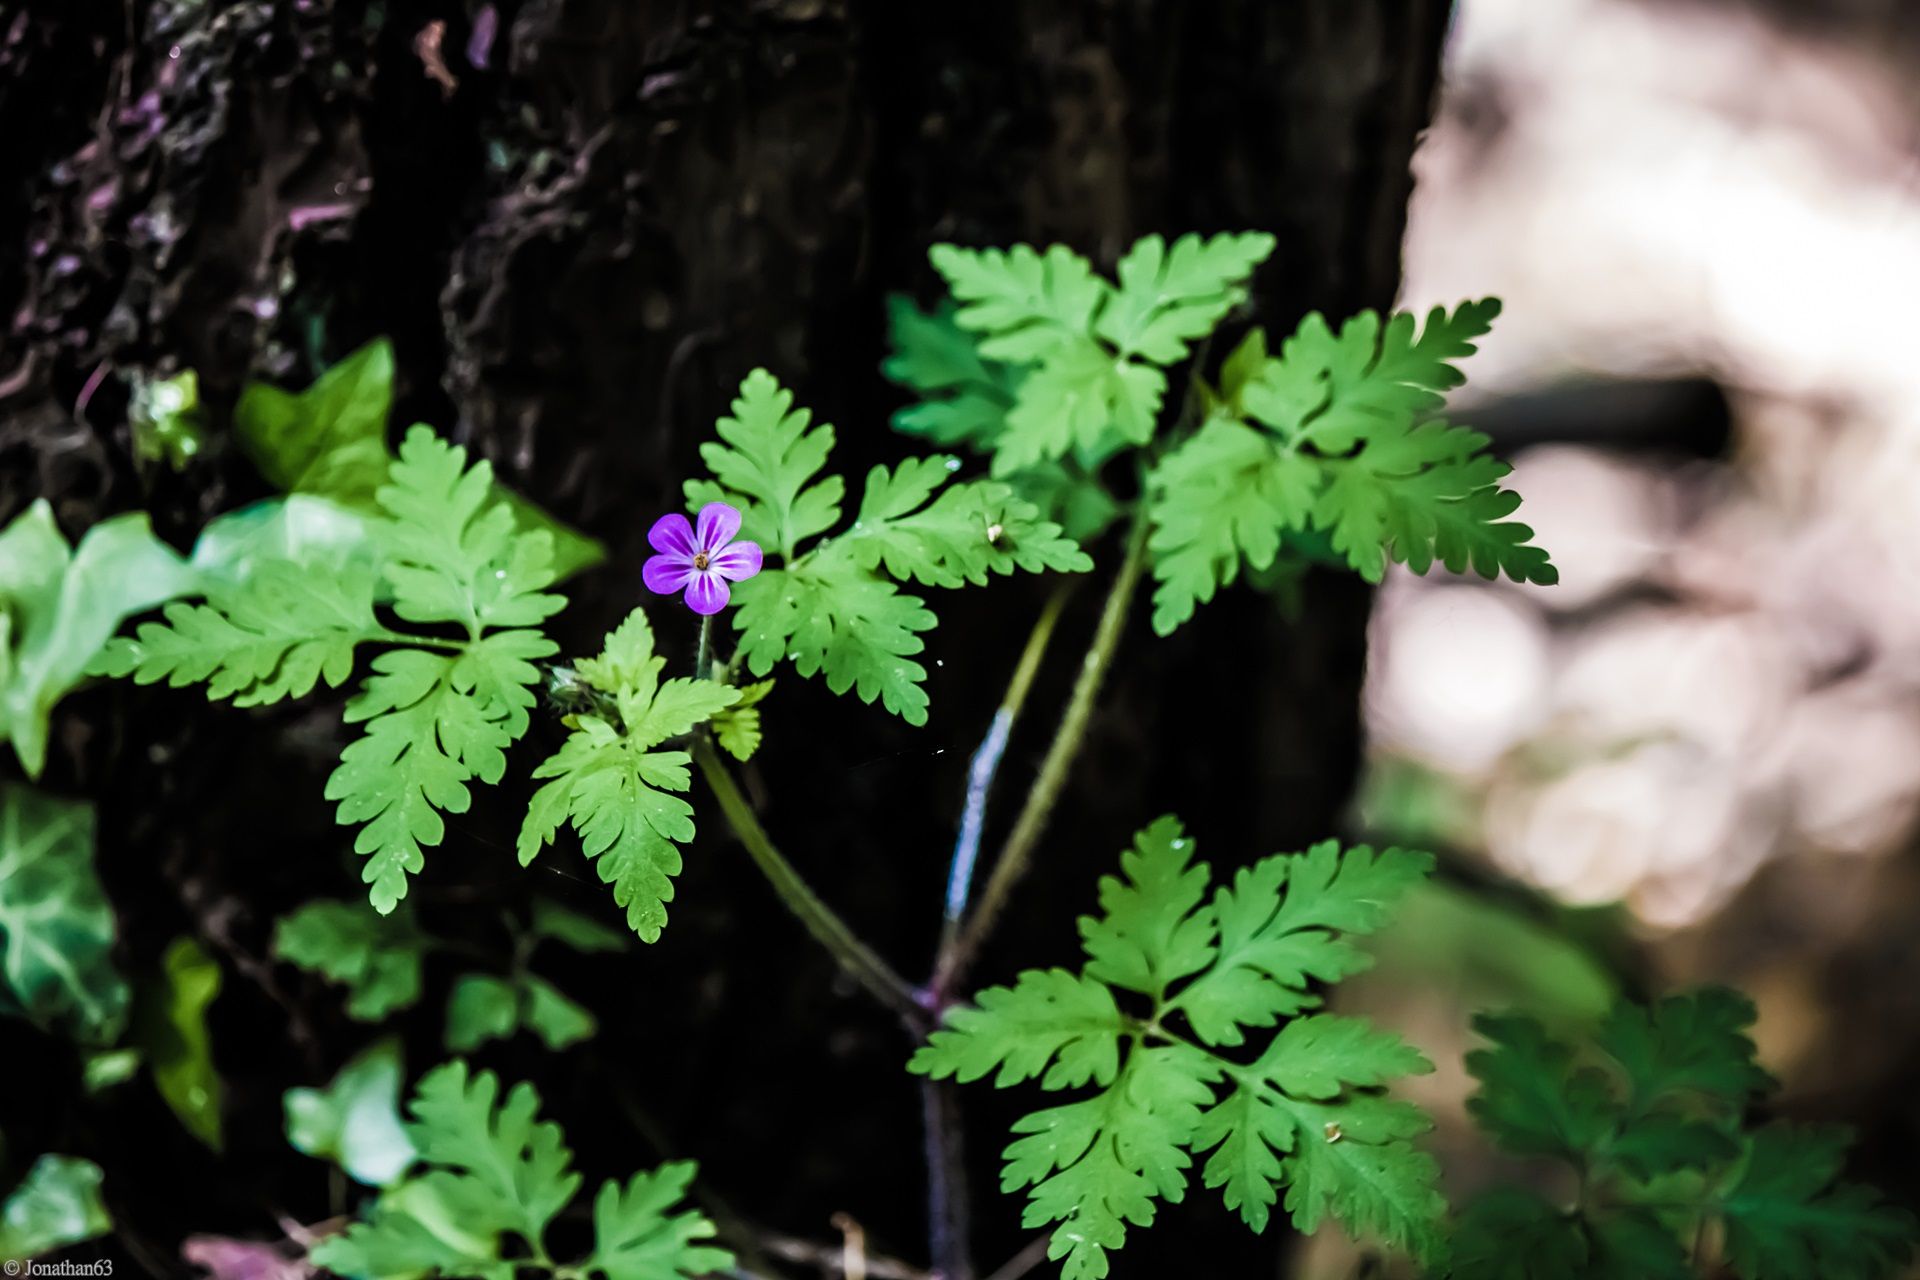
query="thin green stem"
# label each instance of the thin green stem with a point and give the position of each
(860, 961)
(703, 657)
(386, 636)
(1058, 763)
(985, 765)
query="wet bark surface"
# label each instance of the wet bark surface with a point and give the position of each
(581, 222)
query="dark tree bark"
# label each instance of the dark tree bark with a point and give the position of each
(580, 232)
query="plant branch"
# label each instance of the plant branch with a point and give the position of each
(1024, 1261)
(1067, 740)
(861, 963)
(948, 1220)
(985, 765)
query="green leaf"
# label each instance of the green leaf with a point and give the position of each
(1224, 498)
(513, 1167)
(1050, 1021)
(1153, 931)
(1028, 304)
(481, 1008)
(1533, 1098)
(572, 929)
(355, 1121)
(1307, 1115)
(300, 529)
(1511, 1234)
(1787, 1218)
(638, 1234)
(830, 615)
(331, 440)
(167, 421)
(278, 633)
(967, 532)
(1281, 924)
(170, 1026)
(1080, 397)
(437, 720)
(1691, 1043)
(377, 958)
(737, 728)
(58, 606)
(766, 463)
(965, 397)
(1168, 298)
(615, 789)
(549, 1014)
(56, 923)
(57, 1204)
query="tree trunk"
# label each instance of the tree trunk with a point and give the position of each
(582, 221)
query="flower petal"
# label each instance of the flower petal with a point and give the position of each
(707, 593)
(740, 561)
(718, 523)
(665, 575)
(672, 535)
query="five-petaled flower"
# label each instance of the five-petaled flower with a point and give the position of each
(701, 560)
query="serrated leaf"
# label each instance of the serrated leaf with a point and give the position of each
(1079, 397)
(55, 922)
(59, 605)
(482, 1007)
(614, 788)
(1696, 1042)
(1153, 931)
(355, 1121)
(1787, 1218)
(1533, 1098)
(831, 616)
(639, 1235)
(1025, 302)
(737, 728)
(1050, 1023)
(766, 463)
(967, 532)
(514, 1166)
(377, 958)
(965, 397)
(1511, 1234)
(1168, 298)
(572, 929)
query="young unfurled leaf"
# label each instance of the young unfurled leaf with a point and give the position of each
(616, 789)
(737, 728)
(833, 608)
(59, 604)
(1307, 1116)
(355, 1121)
(498, 1170)
(377, 958)
(56, 926)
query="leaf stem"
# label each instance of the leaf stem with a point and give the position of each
(860, 961)
(985, 764)
(1054, 768)
(703, 657)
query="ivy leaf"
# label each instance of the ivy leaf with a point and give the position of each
(301, 529)
(57, 1204)
(766, 463)
(639, 1235)
(58, 606)
(1168, 298)
(615, 788)
(331, 441)
(377, 958)
(1050, 1021)
(56, 923)
(355, 1121)
(170, 1026)
(1787, 1218)
(965, 397)
(1153, 931)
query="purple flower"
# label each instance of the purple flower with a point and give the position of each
(701, 560)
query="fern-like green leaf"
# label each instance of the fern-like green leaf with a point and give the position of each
(1170, 297)
(616, 789)
(377, 958)
(767, 463)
